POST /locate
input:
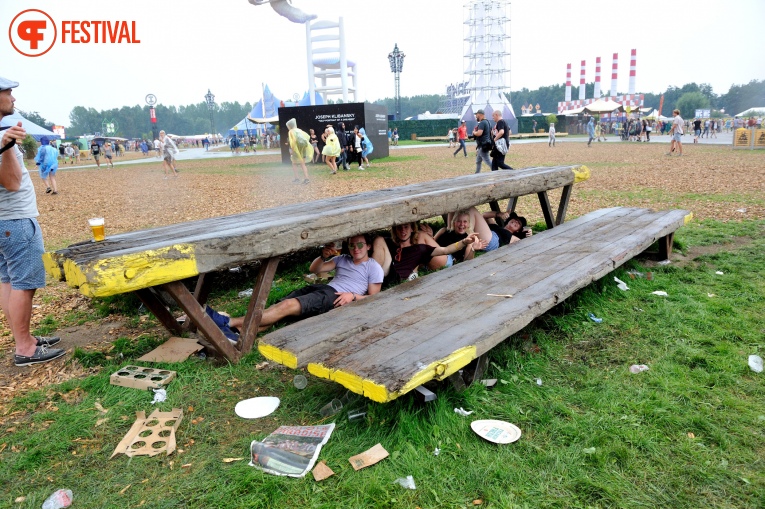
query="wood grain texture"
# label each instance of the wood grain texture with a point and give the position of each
(411, 332)
(145, 258)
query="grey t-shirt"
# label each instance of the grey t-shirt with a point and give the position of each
(350, 277)
(21, 204)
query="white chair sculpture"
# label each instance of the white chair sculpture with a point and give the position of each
(327, 61)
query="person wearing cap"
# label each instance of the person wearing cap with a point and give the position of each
(481, 135)
(461, 137)
(21, 247)
(47, 162)
(514, 230)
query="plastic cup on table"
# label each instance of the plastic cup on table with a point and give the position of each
(97, 226)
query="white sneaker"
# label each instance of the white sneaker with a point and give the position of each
(361, 167)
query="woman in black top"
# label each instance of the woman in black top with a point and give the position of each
(500, 131)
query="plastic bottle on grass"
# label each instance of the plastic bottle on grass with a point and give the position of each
(59, 499)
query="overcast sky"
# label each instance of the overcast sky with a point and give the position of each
(231, 47)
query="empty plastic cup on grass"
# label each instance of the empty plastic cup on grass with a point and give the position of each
(97, 225)
(299, 382)
(331, 408)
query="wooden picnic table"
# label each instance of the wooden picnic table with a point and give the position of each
(146, 261)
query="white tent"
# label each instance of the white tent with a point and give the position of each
(752, 112)
(575, 111)
(33, 129)
(603, 106)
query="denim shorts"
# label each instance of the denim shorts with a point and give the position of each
(449, 261)
(21, 250)
(493, 243)
(677, 137)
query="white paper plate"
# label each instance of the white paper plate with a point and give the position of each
(256, 407)
(499, 432)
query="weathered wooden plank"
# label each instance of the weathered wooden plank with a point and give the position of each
(563, 205)
(425, 343)
(436, 312)
(152, 257)
(310, 334)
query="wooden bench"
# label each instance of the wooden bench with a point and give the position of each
(146, 261)
(391, 343)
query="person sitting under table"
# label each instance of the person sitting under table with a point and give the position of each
(407, 249)
(356, 276)
(514, 230)
(463, 223)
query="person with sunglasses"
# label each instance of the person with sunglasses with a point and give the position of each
(408, 248)
(356, 277)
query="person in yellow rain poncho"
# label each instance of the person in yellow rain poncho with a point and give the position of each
(331, 149)
(300, 149)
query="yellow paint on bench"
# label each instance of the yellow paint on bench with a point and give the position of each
(281, 356)
(377, 391)
(581, 173)
(127, 273)
(52, 267)
(688, 218)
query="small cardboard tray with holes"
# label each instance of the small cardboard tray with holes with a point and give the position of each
(138, 377)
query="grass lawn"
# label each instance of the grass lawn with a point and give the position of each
(686, 433)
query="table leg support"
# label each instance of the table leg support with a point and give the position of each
(563, 206)
(257, 304)
(665, 246)
(158, 309)
(544, 201)
(196, 313)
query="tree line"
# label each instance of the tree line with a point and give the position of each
(133, 121)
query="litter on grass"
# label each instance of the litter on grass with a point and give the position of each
(539, 382)
(594, 318)
(621, 285)
(589, 450)
(664, 262)
(246, 293)
(498, 432)
(406, 482)
(59, 499)
(321, 471)
(635, 274)
(254, 408)
(138, 377)
(638, 368)
(290, 450)
(160, 395)
(720, 273)
(368, 457)
(755, 362)
(462, 411)
(436, 451)
(660, 293)
(151, 435)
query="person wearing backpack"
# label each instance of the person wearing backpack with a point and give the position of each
(482, 136)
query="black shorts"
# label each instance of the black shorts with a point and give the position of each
(314, 299)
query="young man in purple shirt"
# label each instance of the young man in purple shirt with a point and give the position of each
(356, 276)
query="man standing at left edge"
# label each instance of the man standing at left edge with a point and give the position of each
(21, 244)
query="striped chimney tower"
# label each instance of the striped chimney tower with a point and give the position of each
(568, 82)
(614, 75)
(581, 82)
(632, 71)
(596, 95)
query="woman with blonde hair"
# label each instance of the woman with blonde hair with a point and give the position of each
(332, 149)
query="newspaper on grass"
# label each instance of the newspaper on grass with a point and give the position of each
(290, 450)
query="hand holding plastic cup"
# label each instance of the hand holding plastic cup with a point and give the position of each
(97, 226)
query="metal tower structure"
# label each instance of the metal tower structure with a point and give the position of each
(486, 51)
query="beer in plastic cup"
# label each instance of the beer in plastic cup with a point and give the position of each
(97, 225)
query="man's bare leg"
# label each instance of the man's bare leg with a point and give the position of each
(271, 315)
(17, 306)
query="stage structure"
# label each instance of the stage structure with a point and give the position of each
(457, 97)
(630, 101)
(486, 40)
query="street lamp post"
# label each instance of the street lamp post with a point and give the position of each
(210, 98)
(396, 59)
